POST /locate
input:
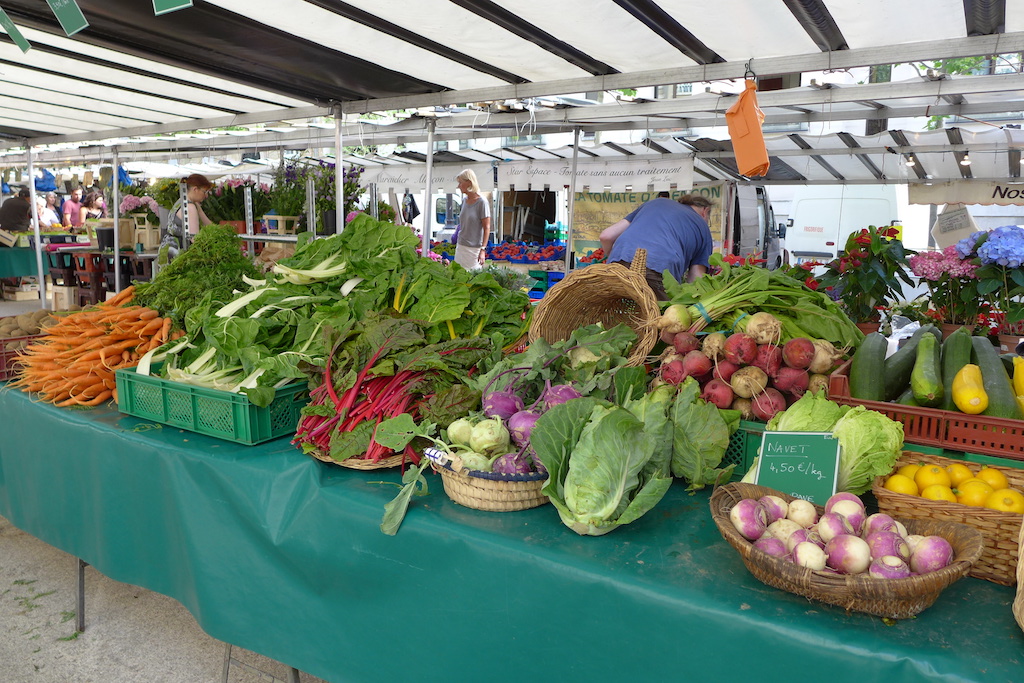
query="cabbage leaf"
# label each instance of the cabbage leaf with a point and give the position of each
(700, 438)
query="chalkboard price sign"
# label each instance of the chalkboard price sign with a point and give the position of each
(801, 464)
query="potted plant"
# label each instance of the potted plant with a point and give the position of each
(952, 287)
(868, 274)
(288, 194)
(143, 207)
(998, 285)
(226, 201)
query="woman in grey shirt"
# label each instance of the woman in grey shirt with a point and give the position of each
(474, 224)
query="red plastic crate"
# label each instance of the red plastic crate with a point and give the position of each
(8, 358)
(945, 429)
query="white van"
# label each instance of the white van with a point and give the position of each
(823, 216)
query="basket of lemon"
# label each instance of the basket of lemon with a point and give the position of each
(987, 498)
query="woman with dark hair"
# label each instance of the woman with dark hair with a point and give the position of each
(198, 186)
(92, 207)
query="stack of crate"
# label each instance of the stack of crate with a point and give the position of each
(90, 284)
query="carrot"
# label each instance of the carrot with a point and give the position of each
(125, 294)
(103, 397)
(148, 314)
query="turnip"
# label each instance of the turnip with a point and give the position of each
(853, 511)
(724, 370)
(489, 435)
(474, 461)
(766, 404)
(888, 567)
(558, 394)
(714, 346)
(775, 508)
(717, 393)
(502, 404)
(782, 528)
(740, 348)
(460, 431)
(745, 407)
(912, 541)
(825, 357)
(748, 519)
(695, 364)
(768, 358)
(520, 425)
(798, 353)
(798, 536)
(675, 318)
(685, 342)
(802, 512)
(809, 555)
(673, 372)
(842, 495)
(791, 381)
(748, 382)
(901, 530)
(878, 522)
(764, 328)
(511, 463)
(848, 554)
(832, 524)
(772, 546)
(884, 543)
(931, 554)
(817, 383)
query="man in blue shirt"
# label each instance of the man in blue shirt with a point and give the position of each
(675, 234)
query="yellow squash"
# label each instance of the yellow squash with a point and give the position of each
(1018, 375)
(968, 390)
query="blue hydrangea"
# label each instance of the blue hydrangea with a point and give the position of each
(1004, 246)
(965, 247)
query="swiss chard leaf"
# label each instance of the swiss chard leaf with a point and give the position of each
(414, 484)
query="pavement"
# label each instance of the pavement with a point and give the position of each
(131, 634)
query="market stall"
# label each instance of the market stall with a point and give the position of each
(17, 262)
(275, 552)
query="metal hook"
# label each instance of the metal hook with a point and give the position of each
(748, 72)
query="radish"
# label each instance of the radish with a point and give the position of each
(848, 554)
(768, 358)
(791, 381)
(740, 348)
(673, 372)
(667, 336)
(675, 318)
(685, 342)
(724, 370)
(766, 404)
(798, 353)
(748, 519)
(764, 328)
(802, 512)
(931, 554)
(718, 393)
(772, 546)
(695, 364)
(714, 345)
(748, 381)
(888, 567)
(745, 407)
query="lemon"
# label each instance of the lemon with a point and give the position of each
(994, 477)
(1006, 500)
(931, 474)
(901, 483)
(958, 472)
(938, 492)
(909, 470)
(973, 492)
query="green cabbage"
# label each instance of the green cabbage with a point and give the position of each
(871, 443)
(812, 412)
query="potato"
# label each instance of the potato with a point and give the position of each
(17, 332)
(24, 320)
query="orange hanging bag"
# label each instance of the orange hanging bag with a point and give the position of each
(744, 119)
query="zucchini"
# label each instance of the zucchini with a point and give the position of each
(956, 353)
(899, 365)
(926, 377)
(866, 378)
(907, 398)
(1001, 400)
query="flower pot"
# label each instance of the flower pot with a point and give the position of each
(949, 328)
(868, 327)
(1008, 342)
(239, 226)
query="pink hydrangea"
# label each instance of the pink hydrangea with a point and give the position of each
(932, 265)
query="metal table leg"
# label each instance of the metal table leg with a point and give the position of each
(80, 612)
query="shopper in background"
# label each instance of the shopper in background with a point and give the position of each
(53, 203)
(47, 216)
(474, 224)
(675, 235)
(72, 209)
(16, 212)
(198, 186)
(91, 208)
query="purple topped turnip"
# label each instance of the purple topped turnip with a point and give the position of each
(842, 495)
(884, 543)
(802, 512)
(774, 507)
(831, 525)
(520, 425)
(809, 555)
(748, 519)
(502, 404)
(888, 567)
(511, 463)
(931, 554)
(772, 546)
(848, 554)
(853, 512)
(558, 394)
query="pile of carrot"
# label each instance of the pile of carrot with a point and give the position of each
(74, 363)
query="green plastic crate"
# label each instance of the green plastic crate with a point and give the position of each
(220, 414)
(743, 447)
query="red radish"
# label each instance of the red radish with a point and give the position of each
(798, 353)
(791, 381)
(724, 370)
(766, 404)
(685, 342)
(769, 359)
(740, 348)
(667, 336)
(673, 372)
(695, 363)
(703, 379)
(718, 393)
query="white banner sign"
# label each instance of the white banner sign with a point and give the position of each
(413, 177)
(952, 225)
(967, 192)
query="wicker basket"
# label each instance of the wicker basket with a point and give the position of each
(360, 463)
(1018, 603)
(604, 293)
(892, 598)
(999, 530)
(488, 490)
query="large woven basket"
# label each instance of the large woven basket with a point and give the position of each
(891, 598)
(487, 490)
(999, 530)
(606, 293)
(1018, 603)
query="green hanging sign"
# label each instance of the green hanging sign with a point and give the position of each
(165, 6)
(801, 464)
(13, 31)
(69, 14)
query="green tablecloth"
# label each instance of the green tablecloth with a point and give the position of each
(281, 554)
(18, 262)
